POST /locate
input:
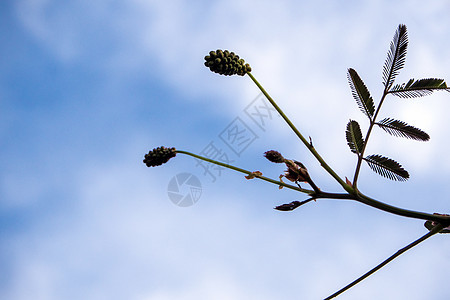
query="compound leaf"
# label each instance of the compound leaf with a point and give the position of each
(387, 167)
(396, 56)
(354, 137)
(361, 93)
(402, 129)
(419, 88)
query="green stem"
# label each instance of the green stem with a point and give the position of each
(385, 207)
(308, 145)
(435, 230)
(319, 194)
(400, 211)
(277, 182)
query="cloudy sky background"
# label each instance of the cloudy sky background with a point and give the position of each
(88, 87)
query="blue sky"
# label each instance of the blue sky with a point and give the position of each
(88, 87)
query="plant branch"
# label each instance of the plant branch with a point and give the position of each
(369, 131)
(432, 232)
(353, 190)
(308, 145)
(318, 194)
(445, 220)
(277, 182)
(400, 211)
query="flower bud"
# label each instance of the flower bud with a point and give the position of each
(226, 63)
(274, 156)
(159, 156)
(296, 171)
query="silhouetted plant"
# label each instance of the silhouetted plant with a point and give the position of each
(228, 63)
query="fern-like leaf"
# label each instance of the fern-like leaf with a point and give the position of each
(396, 56)
(387, 167)
(354, 137)
(361, 93)
(419, 88)
(402, 129)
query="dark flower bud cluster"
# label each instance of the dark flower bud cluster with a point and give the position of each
(159, 156)
(226, 63)
(274, 156)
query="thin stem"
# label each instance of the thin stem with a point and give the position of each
(385, 207)
(306, 201)
(313, 185)
(300, 136)
(369, 131)
(400, 211)
(277, 182)
(433, 231)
